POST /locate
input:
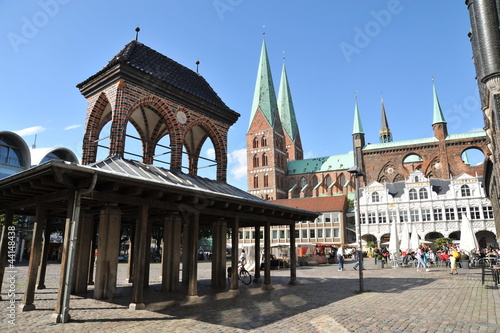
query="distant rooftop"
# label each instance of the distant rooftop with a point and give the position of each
(328, 163)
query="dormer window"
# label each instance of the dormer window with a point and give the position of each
(465, 191)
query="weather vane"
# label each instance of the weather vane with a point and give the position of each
(356, 94)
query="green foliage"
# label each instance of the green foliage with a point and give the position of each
(350, 203)
(380, 257)
(371, 245)
(439, 242)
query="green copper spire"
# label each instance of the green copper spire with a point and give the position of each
(285, 107)
(385, 131)
(438, 114)
(264, 97)
(358, 127)
(466, 158)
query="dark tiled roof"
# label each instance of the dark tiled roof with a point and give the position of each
(149, 61)
(317, 204)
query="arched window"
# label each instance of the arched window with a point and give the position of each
(256, 143)
(255, 181)
(423, 194)
(255, 161)
(9, 153)
(465, 190)
(303, 182)
(264, 141)
(341, 180)
(375, 197)
(413, 194)
(266, 180)
(264, 159)
(328, 181)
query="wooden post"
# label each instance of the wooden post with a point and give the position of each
(131, 254)
(219, 254)
(257, 254)
(234, 254)
(45, 253)
(36, 250)
(108, 247)
(267, 256)
(293, 256)
(82, 253)
(141, 245)
(8, 231)
(193, 249)
(185, 250)
(59, 316)
(147, 258)
(166, 255)
(93, 248)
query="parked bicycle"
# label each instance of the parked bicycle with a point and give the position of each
(243, 275)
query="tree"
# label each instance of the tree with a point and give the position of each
(440, 242)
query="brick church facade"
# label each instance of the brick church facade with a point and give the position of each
(277, 169)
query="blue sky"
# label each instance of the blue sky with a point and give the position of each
(332, 49)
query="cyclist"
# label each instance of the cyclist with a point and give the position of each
(243, 258)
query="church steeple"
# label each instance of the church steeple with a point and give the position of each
(264, 95)
(438, 123)
(358, 138)
(358, 127)
(385, 131)
(288, 119)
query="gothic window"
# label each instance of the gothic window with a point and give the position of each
(255, 161)
(465, 191)
(264, 159)
(264, 141)
(375, 197)
(303, 182)
(328, 181)
(256, 143)
(413, 194)
(341, 180)
(423, 193)
(383, 180)
(266, 180)
(314, 181)
(255, 181)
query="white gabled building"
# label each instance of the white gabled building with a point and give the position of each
(434, 206)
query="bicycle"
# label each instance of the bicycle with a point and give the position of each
(243, 275)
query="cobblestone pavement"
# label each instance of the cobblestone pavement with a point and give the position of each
(325, 300)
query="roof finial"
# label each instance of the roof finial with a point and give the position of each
(433, 78)
(356, 94)
(264, 30)
(137, 29)
(283, 56)
(197, 63)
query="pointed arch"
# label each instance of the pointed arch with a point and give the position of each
(98, 114)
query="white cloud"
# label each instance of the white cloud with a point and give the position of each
(67, 128)
(237, 163)
(30, 131)
(210, 153)
(309, 154)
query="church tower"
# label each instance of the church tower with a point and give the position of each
(438, 122)
(293, 144)
(266, 154)
(385, 131)
(358, 137)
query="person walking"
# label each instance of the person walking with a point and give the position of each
(340, 257)
(358, 256)
(420, 258)
(453, 260)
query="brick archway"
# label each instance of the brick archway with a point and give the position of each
(96, 119)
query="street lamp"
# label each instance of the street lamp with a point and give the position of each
(356, 171)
